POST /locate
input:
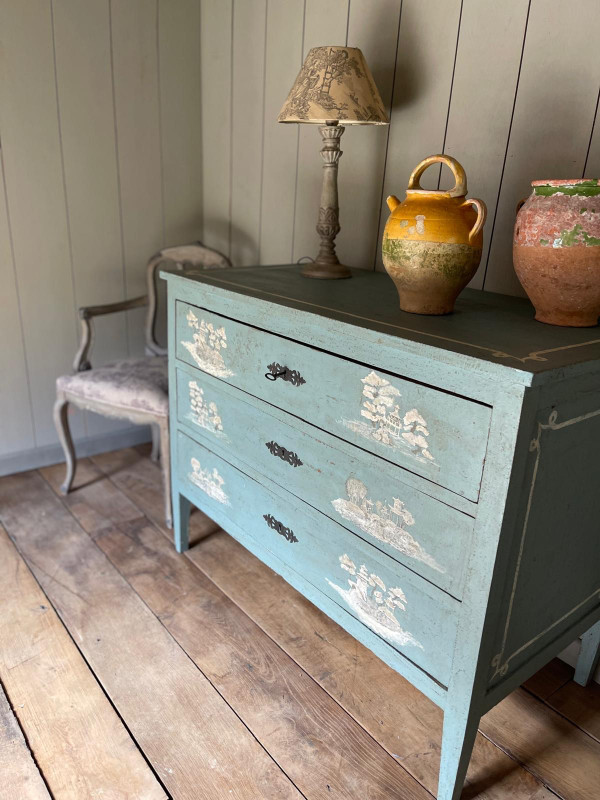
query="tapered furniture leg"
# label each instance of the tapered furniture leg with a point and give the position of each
(165, 459)
(155, 442)
(589, 656)
(457, 745)
(181, 522)
(61, 422)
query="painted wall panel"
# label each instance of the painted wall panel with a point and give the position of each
(283, 59)
(375, 31)
(16, 423)
(135, 75)
(424, 66)
(81, 146)
(36, 201)
(215, 74)
(180, 104)
(554, 113)
(483, 93)
(249, 24)
(85, 104)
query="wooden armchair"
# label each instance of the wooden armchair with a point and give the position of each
(134, 389)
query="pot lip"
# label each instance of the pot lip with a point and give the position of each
(567, 182)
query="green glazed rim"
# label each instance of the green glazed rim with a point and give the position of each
(581, 187)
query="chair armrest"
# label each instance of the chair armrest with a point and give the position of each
(86, 314)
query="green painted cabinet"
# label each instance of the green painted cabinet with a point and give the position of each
(431, 483)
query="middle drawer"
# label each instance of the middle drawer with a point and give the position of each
(355, 488)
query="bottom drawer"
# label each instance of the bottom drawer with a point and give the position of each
(411, 615)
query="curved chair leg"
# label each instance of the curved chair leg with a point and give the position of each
(155, 442)
(61, 421)
(165, 457)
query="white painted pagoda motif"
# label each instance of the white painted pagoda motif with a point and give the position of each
(206, 345)
(204, 414)
(385, 422)
(209, 481)
(373, 604)
(386, 522)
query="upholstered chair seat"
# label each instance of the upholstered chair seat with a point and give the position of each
(135, 389)
(132, 384)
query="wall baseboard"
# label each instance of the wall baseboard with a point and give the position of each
(90, 446)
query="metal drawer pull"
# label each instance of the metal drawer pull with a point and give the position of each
(281, 529)
(290, 375)
(284, 454)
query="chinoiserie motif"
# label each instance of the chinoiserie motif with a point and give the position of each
(207, 342)
(209, 481)
(373, 604)
(385, 522)
(387, 423)
(203, 413)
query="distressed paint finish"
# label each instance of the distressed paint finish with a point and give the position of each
(430, 616)
(556, 251)
(466, 598)
(250, 353)
(435, 544)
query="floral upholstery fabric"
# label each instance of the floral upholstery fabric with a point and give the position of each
(138, 384)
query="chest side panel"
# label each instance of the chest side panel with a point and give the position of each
(555, 570)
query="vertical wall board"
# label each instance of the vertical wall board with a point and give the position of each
(249, 22)
(283, 59)
(554, 113)
(180, 102)
(16, 423)
(181, 129)
(483, 93)
(86, 109)
(215, 74)
(592, 166)
(324, 23)
(32, 164)
(373, 26)
(135, 70)
(424, 66)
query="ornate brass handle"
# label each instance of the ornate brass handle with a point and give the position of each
(283, 453)
(281, 529)
(290, 375)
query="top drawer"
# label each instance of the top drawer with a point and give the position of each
(430, 432)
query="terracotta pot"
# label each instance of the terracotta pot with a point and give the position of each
(432, 241)
(556, 251)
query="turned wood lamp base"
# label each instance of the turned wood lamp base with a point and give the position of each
(326, 265)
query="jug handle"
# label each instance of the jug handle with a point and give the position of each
(481, 215)
(460, 178)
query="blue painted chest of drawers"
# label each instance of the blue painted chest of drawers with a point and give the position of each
(431, 483)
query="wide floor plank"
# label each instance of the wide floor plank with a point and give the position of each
(197, 745)
(552, 747)
(20, 776)
(79, 742)
(396, 714)
(318, 745)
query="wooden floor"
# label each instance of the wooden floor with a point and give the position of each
(128, 671)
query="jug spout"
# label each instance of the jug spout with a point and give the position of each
(393, 202)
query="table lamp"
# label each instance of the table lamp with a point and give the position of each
(334, 85)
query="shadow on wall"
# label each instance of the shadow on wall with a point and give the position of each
(231, 240)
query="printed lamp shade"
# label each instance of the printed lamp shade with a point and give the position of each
(334, 83)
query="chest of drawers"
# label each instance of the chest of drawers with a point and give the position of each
(429, 483)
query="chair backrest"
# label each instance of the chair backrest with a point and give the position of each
(184, 258)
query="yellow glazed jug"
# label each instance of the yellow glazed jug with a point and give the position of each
(432, 241)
